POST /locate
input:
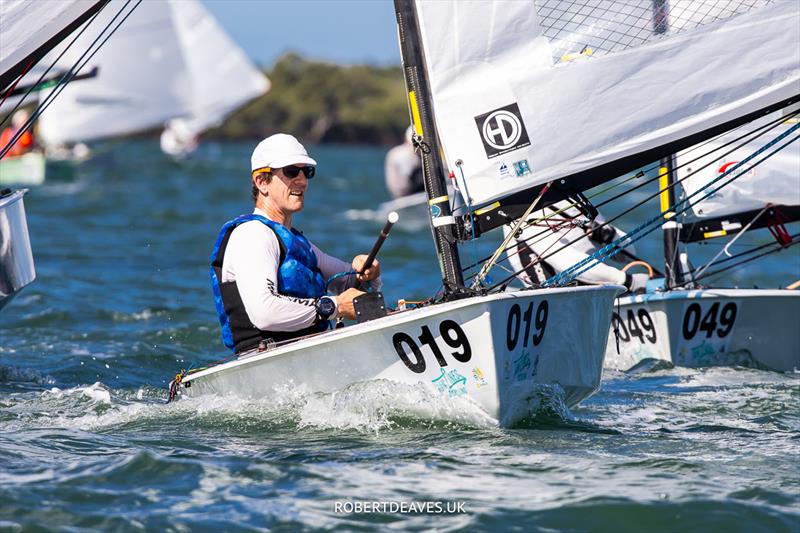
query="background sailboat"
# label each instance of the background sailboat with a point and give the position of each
(171, 61)
(691, 325)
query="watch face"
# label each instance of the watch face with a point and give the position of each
(326, 307)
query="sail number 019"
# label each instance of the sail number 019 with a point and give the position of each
(453, 336)
(516, 318)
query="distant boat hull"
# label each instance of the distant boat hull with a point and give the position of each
(16, 258)
(709, 327)
(501, 351)
(27, 169)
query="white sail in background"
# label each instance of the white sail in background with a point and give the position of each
(527, 92)
(27, 25)
(168, 60)
(223, 78)
(775, 181)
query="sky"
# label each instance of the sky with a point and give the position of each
(340, 31)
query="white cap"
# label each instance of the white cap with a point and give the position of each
(279, 150)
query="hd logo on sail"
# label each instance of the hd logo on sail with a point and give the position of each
(502, 130)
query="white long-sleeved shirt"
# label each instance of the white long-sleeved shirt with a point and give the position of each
(252, 258)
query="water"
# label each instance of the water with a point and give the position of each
(122, 302)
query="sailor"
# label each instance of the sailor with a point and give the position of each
(24, 143)
(269, 281)
(538, 256)
(403, 168)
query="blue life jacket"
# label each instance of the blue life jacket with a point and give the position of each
(298, 276)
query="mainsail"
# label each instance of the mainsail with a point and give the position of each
(775, 182)
(170, 60)
(31, 29)
(580, 92)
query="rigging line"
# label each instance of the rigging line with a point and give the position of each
(725, 248)
(749, 260)
(753, 250)
(610, 251)
(685, 199)
(11, 88)
(55, 61)
(756, 133)
(612, 248)
(488, 266)
(552, 215)
(70, 74)
(735, 168)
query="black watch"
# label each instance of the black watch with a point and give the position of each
(326, 307)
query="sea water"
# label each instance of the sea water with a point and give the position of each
(122, 302)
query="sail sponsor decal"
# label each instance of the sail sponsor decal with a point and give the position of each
(522, 167)
(479, 378)
(502, 130)
(504, 171)
(751, 173)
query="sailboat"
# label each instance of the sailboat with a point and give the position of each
(30, 31)
(490, 101)
(171, 65)
(688, 324)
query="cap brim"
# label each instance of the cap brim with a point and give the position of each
(292, 160)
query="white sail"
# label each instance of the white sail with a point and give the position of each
(168, 60)
(528, 92)
(27, 25)
(223, 78)
(775, 181)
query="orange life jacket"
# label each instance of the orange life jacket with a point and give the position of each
(23, 144)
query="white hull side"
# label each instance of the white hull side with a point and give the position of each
(503, 373)
(16, 257)
(27, 169)
(709, 327)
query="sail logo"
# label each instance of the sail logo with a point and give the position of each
(502, 130)
(751, 173)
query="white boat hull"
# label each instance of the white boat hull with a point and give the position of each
(27, 169)
(709, 327)
(16, 257)
(497, 350)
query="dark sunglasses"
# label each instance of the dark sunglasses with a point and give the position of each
(292, 171)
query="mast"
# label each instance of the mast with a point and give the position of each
(421, 110)
(671, 227)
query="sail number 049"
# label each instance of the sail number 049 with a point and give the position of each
(638, 324)
(694, 320)
(453, 336)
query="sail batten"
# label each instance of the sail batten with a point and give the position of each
(518, 110)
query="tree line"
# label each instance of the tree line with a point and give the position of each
(325, 103)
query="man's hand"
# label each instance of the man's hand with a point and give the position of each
(371, 273)
(344, 302)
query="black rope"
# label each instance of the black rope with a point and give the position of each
(756, 133)
(777, 248)
(739, 173)
(70, 74)
(53, 64)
